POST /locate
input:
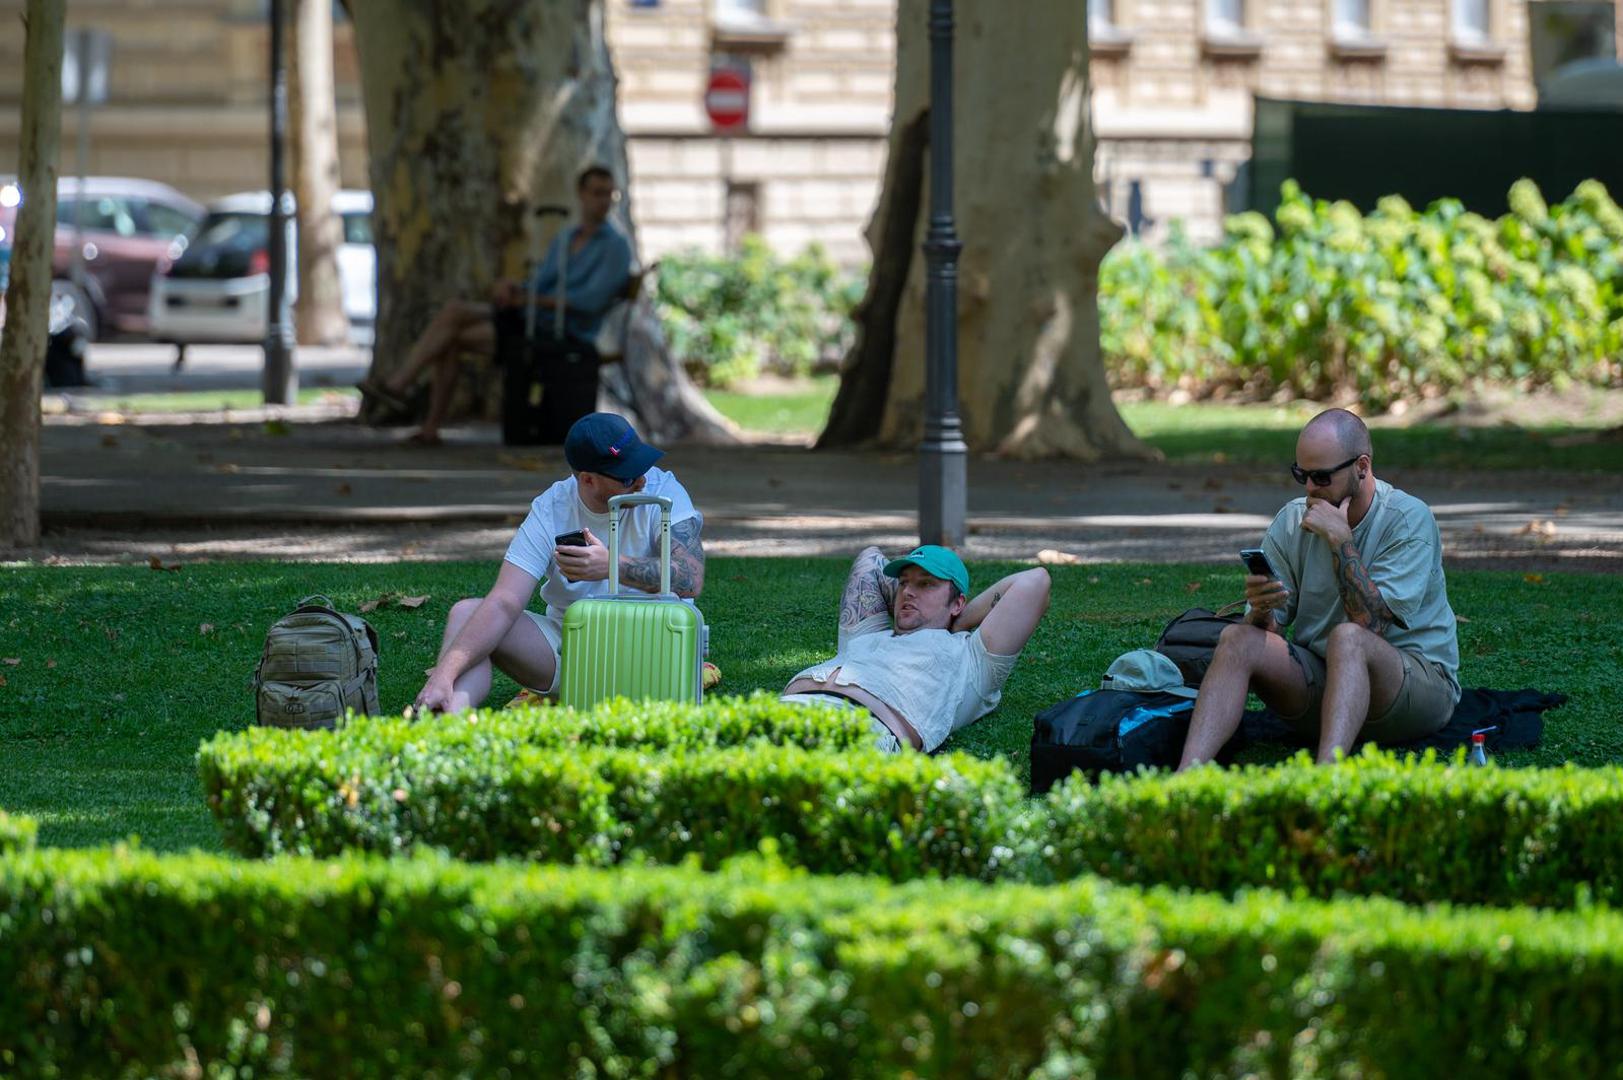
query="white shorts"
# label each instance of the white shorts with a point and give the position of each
(883, 738)
(553, 630)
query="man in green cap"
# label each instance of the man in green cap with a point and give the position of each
(915, 653)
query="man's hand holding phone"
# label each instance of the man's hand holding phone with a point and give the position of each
(581, 556)
(1264, 592)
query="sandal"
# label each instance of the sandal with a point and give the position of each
(380, 391)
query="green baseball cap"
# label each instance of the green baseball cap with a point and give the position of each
(933, 560)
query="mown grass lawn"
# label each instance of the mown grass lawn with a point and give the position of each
(120, 671)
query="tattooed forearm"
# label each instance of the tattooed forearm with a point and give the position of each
(867, 590)
(1360, 596)
(687, 563)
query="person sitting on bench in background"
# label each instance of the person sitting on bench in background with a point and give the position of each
(915, 653)
(598, 257)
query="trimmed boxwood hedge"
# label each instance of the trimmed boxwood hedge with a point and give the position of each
(497, 786)
(16, 833)
(1378, 824)
(124, 963)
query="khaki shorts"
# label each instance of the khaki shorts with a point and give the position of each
(883, 738)
(553, 630)
(1424, 704)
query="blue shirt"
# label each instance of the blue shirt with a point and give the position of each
(597, 276)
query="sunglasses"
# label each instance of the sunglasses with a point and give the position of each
(1320, 477)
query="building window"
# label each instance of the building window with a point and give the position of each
(1225, 18)
(1101, 15)
(742, 214)
(1351, 21)
(1470, 21)
(740, 12)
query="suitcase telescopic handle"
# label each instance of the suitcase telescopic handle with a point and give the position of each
(616, 504)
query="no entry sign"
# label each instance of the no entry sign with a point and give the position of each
(727, 99)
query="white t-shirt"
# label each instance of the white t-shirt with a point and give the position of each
(936, 680)
(559, 510)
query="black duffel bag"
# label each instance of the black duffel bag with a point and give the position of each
(1190, 639)
(1101, 731)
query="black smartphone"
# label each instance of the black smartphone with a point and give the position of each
(1256, 561)
(577, 538)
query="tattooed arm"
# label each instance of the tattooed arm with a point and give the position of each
(1360, 597)
(868, 591)
(687, 563)
(1005, 629)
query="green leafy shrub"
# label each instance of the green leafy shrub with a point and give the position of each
(126, 963)
(731, 318)
(572, 791)
(1326, 300)
(1404, 828)
(16, 832)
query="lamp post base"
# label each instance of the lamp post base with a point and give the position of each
(943, 494)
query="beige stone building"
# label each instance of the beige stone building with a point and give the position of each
(1173, 88)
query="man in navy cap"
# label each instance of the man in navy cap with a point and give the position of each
(915, 653)
(607, 459)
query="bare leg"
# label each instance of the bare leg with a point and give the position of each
(524, 653)
(438, 340)
(1247, 658)
(476, 337)
(1364, 675)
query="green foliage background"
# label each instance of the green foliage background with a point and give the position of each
(1319, 302)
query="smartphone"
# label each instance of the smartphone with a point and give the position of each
(577, 538)
(1256, 561)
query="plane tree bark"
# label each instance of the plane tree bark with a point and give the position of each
(477, 113)
(1031, 378)
(28, 292)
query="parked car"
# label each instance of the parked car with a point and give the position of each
(216, 287)
(65, 341)
(128, 226)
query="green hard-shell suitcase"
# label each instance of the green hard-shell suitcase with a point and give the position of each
(633, 644)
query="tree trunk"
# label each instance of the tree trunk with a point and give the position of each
(318, 315)
(1031, 378)
(478, 112)
(28, 294)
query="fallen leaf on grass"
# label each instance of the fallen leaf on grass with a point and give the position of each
(11, 661)
(1145, 581)
(1052, 557)
(1533, 579)
(205, 628)
(412, 602)
(1462, 618)
(50, 664)
(1193, 586)
(2, 680)
(158, 564)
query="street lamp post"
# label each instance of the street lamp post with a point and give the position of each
(281, 381)
(943, 484)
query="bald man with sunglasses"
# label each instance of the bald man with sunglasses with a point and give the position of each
(1373, 651)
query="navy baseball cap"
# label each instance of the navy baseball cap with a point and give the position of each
(604, 443)
(936, 561)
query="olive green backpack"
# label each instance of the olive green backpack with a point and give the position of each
(317, 663)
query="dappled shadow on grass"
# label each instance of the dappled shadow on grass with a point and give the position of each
(102, 745)
(1423, 446)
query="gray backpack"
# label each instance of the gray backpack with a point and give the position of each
(317, 662)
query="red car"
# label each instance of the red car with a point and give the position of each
(128, 225)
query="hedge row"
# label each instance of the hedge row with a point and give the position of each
(125, 963)
(479, 795)
(1399, 827)
(16, 833)
(1325, 299)
(667, 783)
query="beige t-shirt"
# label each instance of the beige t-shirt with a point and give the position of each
(936, 680)
(1403, 552)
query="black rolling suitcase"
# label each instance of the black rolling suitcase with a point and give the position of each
(547, 383)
